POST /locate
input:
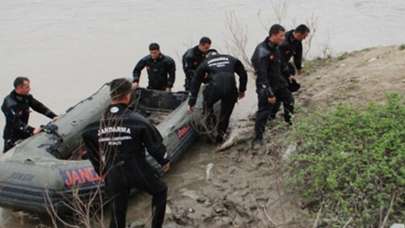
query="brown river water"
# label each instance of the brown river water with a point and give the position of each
(70, 48)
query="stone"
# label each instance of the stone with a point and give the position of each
(191, 210)
(291, 149)
(136, 224)
(397, 225)
(372, 60)
(208, 171)
(190, 194)
(168, 210)
(201, 200)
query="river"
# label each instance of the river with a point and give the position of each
(70, 48)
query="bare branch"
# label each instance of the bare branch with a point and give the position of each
(393, 198)
(348, 222)
(318, 217)
(237, 42)
(312, 24)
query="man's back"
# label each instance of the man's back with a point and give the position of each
(220, 64)
(122, 135)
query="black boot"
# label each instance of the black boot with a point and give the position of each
(257, 143)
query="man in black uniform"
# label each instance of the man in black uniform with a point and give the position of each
(270, 84)
(161, 69)
(16, 108)
(193, 58)
(116, 148)
(219, 73)
(292, 48)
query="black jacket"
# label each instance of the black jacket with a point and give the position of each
(121, 137)
(220, 72)
(16, 109)
(161, 72)
(191, 60)
(291, 48)
(267, 63)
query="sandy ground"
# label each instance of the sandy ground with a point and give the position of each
(357, 78)
(233, 188)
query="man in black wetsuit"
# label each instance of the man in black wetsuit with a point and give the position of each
(218, 71)
(193, 58)
(116, 147)
(292, 48)
(16, 108)
(270, 84)
(161, 69)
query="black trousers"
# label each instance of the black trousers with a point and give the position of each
(8, 144)
(287, 116)
(287, 100)
(122, 179)
(228, 99)
(267, 110)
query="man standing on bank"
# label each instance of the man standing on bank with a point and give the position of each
(218, 71)
(292, 48)
(116, 147)
(193, 58)
(161, 70)
(16, 108)
(270, 84)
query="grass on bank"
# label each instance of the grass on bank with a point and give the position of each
(351, 163)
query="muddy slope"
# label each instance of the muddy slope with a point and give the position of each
(240, 187)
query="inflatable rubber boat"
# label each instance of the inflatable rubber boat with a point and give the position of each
(46, 169)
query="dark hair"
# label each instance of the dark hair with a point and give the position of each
(276, 29)
(119, 88)
(154, 46)
(205, 40)
(19, 81)
(212, 52)
(302, 29)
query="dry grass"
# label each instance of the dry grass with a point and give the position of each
(86, 212)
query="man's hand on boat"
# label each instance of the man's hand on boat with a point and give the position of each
(38, 130)
(166, 167)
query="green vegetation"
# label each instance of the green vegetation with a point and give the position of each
(351, 163)
(402, 47)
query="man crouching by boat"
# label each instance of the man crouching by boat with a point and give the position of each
(16, 109)
(116, 148)
(219, 73)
